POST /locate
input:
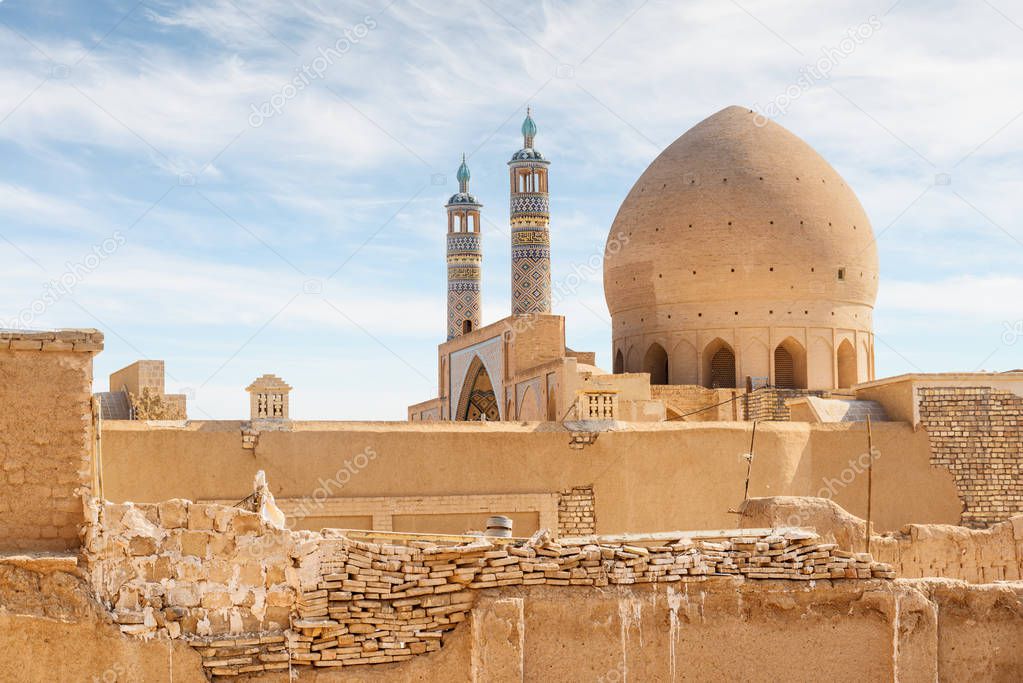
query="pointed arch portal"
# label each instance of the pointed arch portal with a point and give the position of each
(478, 401)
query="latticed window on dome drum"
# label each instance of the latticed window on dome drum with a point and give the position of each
(784, 369)
(722, 369)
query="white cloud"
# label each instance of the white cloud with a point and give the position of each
(931, 86)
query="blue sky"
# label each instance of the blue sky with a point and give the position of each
(307, 240)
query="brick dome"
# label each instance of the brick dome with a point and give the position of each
(740, 231)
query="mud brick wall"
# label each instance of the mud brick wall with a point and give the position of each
(769, 403)
(576, 516)
(45, 436)
(693, 401)
(977, 433)
(974, 555)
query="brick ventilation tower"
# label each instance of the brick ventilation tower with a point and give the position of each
(530, 227)
(465, 258)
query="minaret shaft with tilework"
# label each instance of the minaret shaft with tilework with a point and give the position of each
(464, 258)
(530, 227)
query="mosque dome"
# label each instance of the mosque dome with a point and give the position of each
(740, 235)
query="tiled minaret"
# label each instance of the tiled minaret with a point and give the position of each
(530, 231)
(465, 258)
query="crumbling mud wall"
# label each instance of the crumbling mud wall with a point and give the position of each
(45, 436)
(705, 628)
(53, 629)
(915, 551)
(255, 598)
(187, 569)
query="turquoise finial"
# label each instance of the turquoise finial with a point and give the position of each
(529, 128)
(463, 175)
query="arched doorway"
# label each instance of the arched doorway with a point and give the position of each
(619, 363)
(656, 363)
(719, 365)
(846, 365)
(477, 400)
(790, 365)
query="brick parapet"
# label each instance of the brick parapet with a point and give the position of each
(68, 340)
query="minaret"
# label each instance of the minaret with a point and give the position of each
(465, 256)
(530, 231)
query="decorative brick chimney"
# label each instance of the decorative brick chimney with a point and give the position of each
(268, 398)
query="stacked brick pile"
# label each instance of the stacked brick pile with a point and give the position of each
(376, 603)
(977, 433)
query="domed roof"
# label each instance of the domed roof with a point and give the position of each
(463, 198)
(739, 210)
(528, 154)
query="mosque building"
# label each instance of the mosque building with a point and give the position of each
(739, 260)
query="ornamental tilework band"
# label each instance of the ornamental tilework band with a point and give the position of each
(532, 204)
(470, 274)
(531, 236)
(531, 285)
(463, 242)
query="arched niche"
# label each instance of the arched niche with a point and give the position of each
(655, 362)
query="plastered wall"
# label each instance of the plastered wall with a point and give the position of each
(638, 474)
